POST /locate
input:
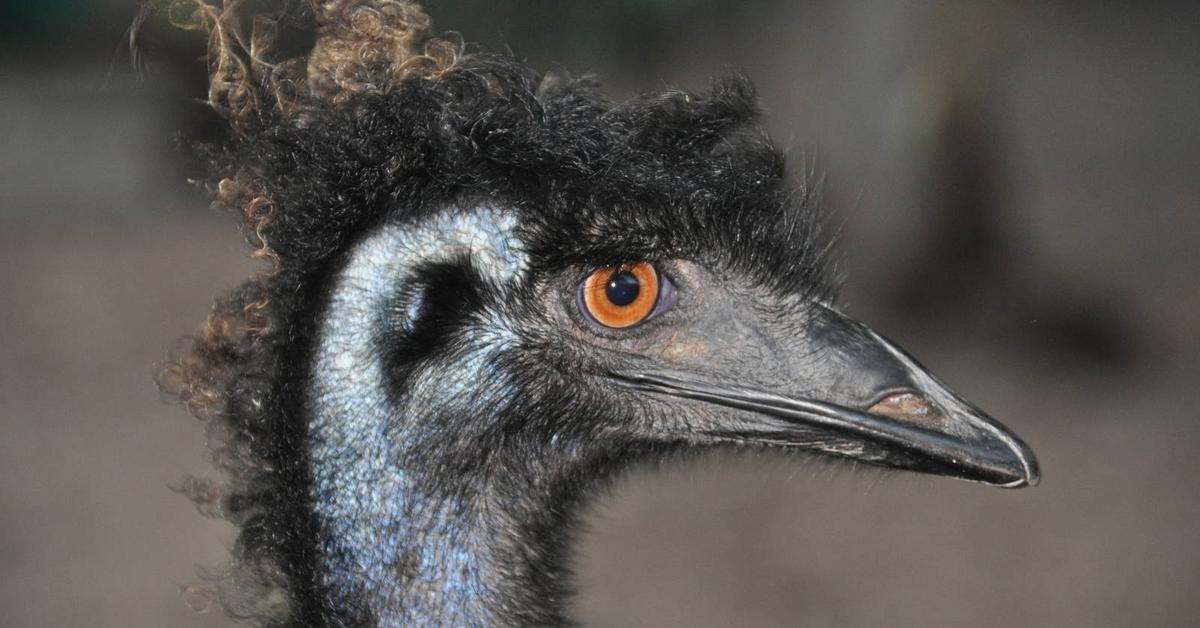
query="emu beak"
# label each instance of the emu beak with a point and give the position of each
(862, 397)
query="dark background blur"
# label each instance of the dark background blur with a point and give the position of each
(1019, 185)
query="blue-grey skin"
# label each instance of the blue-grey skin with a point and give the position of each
(361, 435)
(413, 541)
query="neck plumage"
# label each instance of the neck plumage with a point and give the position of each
(418, 523)
(490, 555)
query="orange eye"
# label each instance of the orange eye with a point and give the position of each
(621, 296)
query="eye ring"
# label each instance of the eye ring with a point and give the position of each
(619, 297)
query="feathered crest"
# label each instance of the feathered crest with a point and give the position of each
(361, 46)
(345, 110)
(259, 78)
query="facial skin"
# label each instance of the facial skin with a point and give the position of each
(459, 383)
(731, 361)
(412, 405)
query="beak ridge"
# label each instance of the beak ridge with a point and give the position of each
(999, 444)
(967, 446)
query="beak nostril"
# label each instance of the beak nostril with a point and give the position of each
(905, 405)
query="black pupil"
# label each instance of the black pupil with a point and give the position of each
(622, 288)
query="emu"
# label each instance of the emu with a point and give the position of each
(492, 290)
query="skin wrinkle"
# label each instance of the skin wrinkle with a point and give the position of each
(691, 348)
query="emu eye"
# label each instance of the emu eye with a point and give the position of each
(623, 296)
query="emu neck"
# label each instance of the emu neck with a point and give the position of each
(486, 555)
(422, 519)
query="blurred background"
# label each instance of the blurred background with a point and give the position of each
(1019, 189)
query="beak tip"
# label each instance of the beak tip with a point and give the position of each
(1030, 473)
(1022, 482)
(1033, 474)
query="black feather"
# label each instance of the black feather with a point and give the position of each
(671, 175)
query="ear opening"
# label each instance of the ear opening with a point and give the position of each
(429, 313)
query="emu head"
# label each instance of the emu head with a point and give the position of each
(493, 289)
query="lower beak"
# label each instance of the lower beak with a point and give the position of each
(910, 419)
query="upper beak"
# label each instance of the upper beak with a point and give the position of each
(878, 406)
